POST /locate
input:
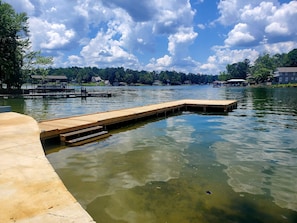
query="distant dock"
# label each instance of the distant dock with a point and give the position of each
(55, 92)
(81, 128)
(66, 95)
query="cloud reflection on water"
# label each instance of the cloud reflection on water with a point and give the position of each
(260, 156)
(128, 160)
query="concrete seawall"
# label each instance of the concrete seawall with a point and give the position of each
(30, 189)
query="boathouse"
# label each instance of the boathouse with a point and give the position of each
(236, 82)
(49, 80)
(49, 84)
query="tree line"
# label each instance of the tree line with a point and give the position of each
(131, 77)
(263, 68)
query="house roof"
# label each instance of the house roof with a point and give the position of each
(96, 78)
(287, 69)
(236, 80)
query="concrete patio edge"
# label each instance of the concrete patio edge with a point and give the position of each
(30, 189)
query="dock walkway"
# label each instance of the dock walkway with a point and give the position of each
(53, 128)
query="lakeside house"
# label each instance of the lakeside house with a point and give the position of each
(157, 83)
(286, 75)
(96, 79)
(99, 80)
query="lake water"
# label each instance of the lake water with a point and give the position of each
(192, 167)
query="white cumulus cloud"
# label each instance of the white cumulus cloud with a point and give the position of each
(158, 34)
(50, 35)
(255, 21)
(239, 36)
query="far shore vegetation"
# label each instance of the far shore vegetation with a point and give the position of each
(18, 62)
(284, 85)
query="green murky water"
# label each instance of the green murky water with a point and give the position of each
(240, 167)
(186, 168)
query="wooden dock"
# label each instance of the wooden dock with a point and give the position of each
(66, 95)
(80, 124)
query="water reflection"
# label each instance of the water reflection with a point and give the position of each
(16, 104)
(259, 150)
(161, 171)
(124, 162)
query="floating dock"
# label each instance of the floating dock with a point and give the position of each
(81, 128)
(55, 93)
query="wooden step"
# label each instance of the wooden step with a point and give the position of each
(88, 138)
(65, 136)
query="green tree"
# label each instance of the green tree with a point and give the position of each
(224, 76)
(164, 77)
(175, 78)
(292, 58)
(13, 44)
(280, 60)
(238, 70)
(146, 77)
(262, 74)
(129, 78)
(34, 63)
(263, 68)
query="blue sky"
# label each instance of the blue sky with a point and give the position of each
(197, 36)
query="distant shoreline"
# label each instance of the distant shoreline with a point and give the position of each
(284, 85)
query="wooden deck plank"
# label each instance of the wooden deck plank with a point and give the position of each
(51, 128)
